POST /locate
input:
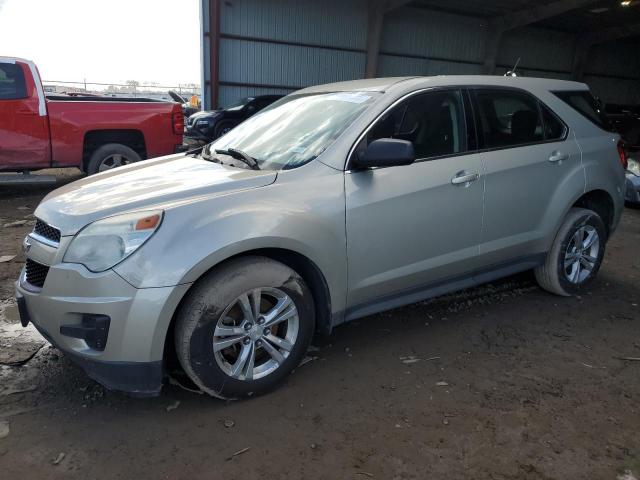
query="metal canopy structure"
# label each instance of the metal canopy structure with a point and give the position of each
(276, 46)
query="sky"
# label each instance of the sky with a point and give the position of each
(105, 41)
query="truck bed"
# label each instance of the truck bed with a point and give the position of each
(91, 98)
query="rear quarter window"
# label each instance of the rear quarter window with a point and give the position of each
(585, 104)
(12, 83)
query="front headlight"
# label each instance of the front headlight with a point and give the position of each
(633, 166)
(105, 243)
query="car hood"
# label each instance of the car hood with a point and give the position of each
(151, 184)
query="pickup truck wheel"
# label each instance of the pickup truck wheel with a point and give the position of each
(109, 156)
(244, 327)
(576, 254)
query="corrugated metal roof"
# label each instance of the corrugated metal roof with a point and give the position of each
(597, 15)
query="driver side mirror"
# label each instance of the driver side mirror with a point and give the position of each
(386, 152)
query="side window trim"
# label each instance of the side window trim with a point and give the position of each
(471, 123)
(476, 106)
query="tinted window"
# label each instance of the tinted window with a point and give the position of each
(508, 118)
(554, 129)
(434, 122)
(587, 105)
(12, 84)
(261, 103)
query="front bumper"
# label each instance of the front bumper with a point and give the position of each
(130, 359)
(632, 190)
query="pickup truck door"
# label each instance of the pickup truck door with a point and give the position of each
(24, 130)
(412, 229)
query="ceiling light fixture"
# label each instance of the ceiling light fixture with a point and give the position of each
(625, 3)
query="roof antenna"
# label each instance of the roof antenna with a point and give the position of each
(512, 72)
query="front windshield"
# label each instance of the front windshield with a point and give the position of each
(238, 105)
(295, 129)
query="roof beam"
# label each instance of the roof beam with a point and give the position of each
(390, 5)
(499, 25)
(531, 15)
(585, 42)
(611, 34)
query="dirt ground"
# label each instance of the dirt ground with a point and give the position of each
(499, 382)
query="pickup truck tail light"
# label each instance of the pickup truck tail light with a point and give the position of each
(623, 155)
(178, 122)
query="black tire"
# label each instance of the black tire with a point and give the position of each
(210, 297)
(108, 152)
(222, 128)
(552, 275)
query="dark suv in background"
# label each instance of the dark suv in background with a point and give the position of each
(204, 127)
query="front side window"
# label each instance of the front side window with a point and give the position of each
(296, 129)
(12, 83)
(585, 103)
(434, 122)
(508, 118)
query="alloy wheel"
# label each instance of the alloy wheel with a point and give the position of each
(256, 333)
(113, 161)
(581, 256)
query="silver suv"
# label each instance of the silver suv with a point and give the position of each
(336, 202)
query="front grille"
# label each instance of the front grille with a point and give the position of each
(47, 231)
(36, 273)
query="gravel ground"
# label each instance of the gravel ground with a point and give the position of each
(498, 382)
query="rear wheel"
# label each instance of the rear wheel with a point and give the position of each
(244, 327)
(110, 156)
(576, 254)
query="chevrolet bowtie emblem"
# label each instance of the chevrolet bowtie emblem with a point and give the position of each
(26, 245)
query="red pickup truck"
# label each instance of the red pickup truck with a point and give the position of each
(92, 133)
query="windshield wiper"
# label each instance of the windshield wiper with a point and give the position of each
(205, 154)
(240, 155)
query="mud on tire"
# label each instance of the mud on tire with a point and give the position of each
(212, 308)
(558, 273)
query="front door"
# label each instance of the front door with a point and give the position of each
(413, 227)
(24, 132)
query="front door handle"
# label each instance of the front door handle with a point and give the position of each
(557, 156)
(464, 179)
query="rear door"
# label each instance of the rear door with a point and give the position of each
(24, 131)
(412, 227)
(528, 159)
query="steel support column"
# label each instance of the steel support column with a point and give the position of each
(374, 37)
(214, 52)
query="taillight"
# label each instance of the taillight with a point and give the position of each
(178, 122)
(623, 155)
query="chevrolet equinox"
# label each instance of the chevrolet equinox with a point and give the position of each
(334, 203)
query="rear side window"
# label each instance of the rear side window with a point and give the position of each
(586, 104)
(12, 83)
(508, 118)
(554, 129)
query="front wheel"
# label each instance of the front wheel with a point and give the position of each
(244, 327)
(576, 254)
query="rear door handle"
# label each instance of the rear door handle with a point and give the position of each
(557, 156)
(464, 178)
